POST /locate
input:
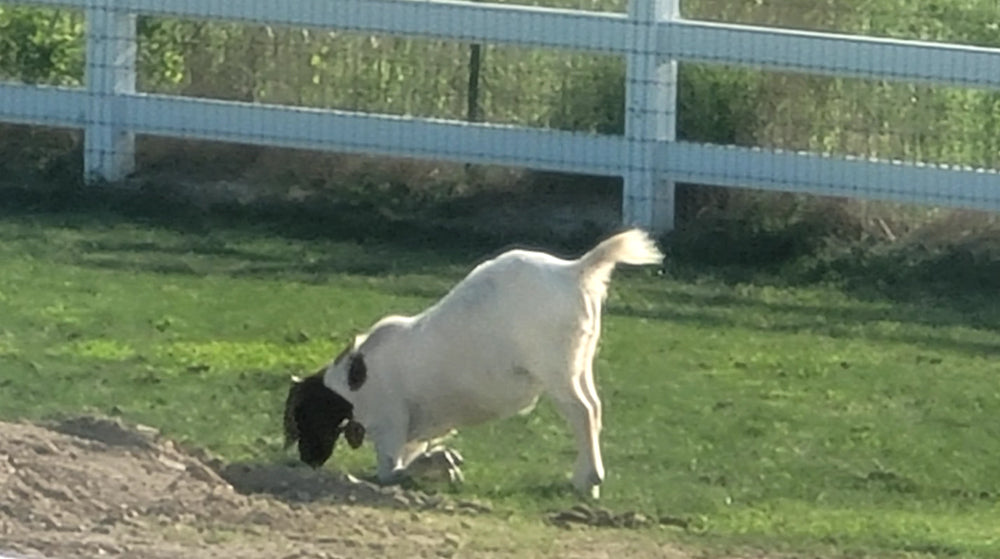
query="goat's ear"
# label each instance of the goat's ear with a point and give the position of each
(354, 432)
(357, 372)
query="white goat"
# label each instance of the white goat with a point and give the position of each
(518, 325)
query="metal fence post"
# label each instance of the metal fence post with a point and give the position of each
(650, 118)
(109, 148)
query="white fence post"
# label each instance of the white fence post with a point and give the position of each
(648, 156)
(109, 149)
(650, 117)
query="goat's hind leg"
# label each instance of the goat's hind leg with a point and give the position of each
(586, 355)
(574, 403)
(588, 389)
(416, 459)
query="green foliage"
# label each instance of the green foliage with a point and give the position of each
(592, 99)
(568, 91)
(718, 105)
(780, 417)
(715, 104)
(161, 59)
(873, 118)
(41, 45)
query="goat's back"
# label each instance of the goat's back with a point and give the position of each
(487, 348)
(516, 291)
(525, 295)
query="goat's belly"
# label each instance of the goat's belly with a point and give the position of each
(464, 406)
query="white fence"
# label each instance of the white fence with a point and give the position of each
(651, 36)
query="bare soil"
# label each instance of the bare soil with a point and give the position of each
(93, 487)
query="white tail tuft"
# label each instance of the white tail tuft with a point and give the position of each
(634, 246)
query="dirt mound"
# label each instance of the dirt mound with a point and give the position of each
(89, 487)
(93, 487)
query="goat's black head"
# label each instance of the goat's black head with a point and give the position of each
(315, 416)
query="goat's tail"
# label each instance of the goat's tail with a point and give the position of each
(634, 246)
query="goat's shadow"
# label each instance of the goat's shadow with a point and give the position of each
(296, 483)
(932, 320)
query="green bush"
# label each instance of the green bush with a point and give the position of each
(41, 46)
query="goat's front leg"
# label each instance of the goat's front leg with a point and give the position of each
(391, 454)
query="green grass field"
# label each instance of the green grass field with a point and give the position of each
(787, 418)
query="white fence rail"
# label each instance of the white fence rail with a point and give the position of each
(652, 37)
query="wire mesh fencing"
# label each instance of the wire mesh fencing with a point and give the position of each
(337, 56)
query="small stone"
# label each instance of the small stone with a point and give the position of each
(172, 464)
(583, 510)
(603, 517)
(634, 519)
(674, 521)
(401, 501)
(432, 501)
(46, 447)
(201, 473)
(452, 539)
(568, 516)
(474, 506)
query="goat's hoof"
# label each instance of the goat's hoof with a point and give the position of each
(589, 492)
(589, 485)
(450, 461)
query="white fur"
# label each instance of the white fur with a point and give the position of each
(522, 324)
